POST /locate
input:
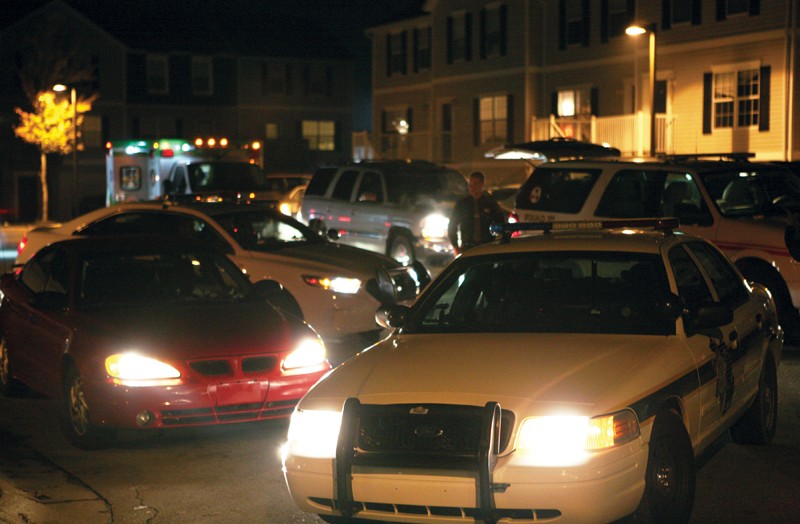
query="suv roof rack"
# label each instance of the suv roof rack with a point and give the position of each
(730, 156)
(659, 224)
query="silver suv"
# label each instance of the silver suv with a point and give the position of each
(398, 208)
(746, 208)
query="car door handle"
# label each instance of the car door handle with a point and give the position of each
(759, 322)
(733, 338)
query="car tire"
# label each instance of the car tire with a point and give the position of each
(77, 417)
(670, 474)
(401, 248)
(758, 424)
(8, 386)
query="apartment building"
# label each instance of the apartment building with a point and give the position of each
(160, 70)
(471, 75)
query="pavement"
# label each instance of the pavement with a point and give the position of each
(33, 490)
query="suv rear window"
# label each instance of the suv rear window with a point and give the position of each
(320, 181)
(559, 190)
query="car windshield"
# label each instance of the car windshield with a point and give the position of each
(148, 278)
(549, 292)
(227, 176)
(753, 190)
(265, 231)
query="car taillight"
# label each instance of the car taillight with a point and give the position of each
(22, 244)
(513, 218)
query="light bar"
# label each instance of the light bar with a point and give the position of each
(629, 223)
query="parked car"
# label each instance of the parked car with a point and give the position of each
(398, 208)
(147, 334)
(748, 209)
(573, 376)
(214, 179)
(335, 288)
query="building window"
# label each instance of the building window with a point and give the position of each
(202, 83)
(567, 102)
(574, 22)
(318, 80)
(271, 131)
(320, 134)
(735, 7)
(422, 49)
(157, 75)
(680, 11)
(90, 134)
(493, 31)
(275, 79)
(459, 38)
(396, 120)
(396, 52)
(736, 98)
(619, 17)
(493, 117)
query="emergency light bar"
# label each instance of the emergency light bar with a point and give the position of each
(661, 224)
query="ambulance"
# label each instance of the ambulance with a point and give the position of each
(138, 169)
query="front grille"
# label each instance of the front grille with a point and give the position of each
(444, 428)
(467, 514)
(224, 414)
(227, 367)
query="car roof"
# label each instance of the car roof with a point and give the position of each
(698, 163)
(134, 243)
(588, 236)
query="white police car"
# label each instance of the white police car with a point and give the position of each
(573, 375)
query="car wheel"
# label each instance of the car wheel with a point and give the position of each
(7, 383)
(401, 249)
(670, 475)
(757, 425)
(77, 420)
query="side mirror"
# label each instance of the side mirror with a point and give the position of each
(673, 306)
(394, 316)
(423, 275)
(268, 288)
(710, 317)
(332, 234)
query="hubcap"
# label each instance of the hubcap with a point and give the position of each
(5, 368)
(78, 409)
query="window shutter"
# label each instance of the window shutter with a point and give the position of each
(697, 12)
(594, 101)
(554, 103)
(604, 21)
(409, 120)
(503, 29)
(415, 50)
(449, 39)
(383, 121)
(666, 14)
(476, 121)
(763, 102)
(468, 37)
(510, 119)
(707, 85)
(755, 7)
(562, 25)
(586, 23)
(404, 51)
(483, 33)
(388, 55)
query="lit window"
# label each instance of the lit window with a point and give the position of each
(271, 131)
(736, 98)
(567, 103)
(320, 134)
(493, 119)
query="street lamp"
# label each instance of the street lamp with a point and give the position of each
(73, 98)
(635, 30)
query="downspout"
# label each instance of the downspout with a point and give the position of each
(789, 123)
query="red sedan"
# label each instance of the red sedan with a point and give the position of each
(150, 333)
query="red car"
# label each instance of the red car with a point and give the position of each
(150, 333)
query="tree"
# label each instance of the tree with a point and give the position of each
(50, 128)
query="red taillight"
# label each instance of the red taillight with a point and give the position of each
(22, 244)
(167, 153)
(513, 218)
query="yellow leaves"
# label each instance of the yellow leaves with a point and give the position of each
(50, 126)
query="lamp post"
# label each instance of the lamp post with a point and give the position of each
(635, 30)
(73, 99)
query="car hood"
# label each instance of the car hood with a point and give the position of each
(188, 331)
(527, 373)
(342, 257)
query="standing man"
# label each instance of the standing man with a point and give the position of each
(472, 217)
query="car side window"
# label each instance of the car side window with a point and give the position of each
(344, 186)
(135, 223)
(727, 282)
(692, 287)
(370, 189)
(48, 272)
(632, 194)
(681, 198)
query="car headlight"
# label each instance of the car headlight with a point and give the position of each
(133, 369)
(569, 440)
(434, 226)
(313, 433)
(310, 352)
(285, 208)
(347, 286)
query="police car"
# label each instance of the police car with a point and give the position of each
(573, 375)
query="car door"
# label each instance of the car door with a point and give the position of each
(368, 226)
(339, 206)
(39, 333)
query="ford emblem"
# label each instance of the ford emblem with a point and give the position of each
(428, 431)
